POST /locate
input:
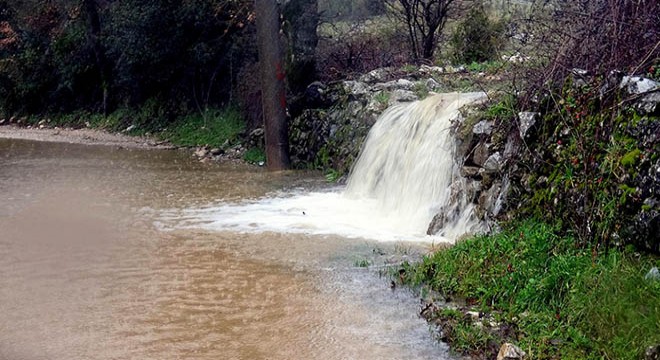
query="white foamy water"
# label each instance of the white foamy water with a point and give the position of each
(404, 175)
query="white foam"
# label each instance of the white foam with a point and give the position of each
(316, 213)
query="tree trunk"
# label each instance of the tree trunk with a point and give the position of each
(93, 33)
(273, 95)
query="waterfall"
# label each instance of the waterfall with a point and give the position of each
(408, 167)
(405, 174)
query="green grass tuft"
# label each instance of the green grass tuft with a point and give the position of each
(255, 156)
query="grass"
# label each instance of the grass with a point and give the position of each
(255, 156)
(213, 127)
(563, 301)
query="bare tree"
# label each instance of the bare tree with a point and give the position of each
(273, 95)
(425, 20)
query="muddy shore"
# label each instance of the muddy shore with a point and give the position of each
(82, 136)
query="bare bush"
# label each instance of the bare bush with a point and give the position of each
(344, 51)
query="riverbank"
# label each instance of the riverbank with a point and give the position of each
(82, 136)
(536, 289)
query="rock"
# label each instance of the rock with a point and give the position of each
(432, 85)
(516, 58)
(580, 77)
(480, 154)
(2, 121)
(509, 351)
(493, 163)
(652, 353)
(216, 152)
(649, 104)
(125, 130)
(400, 84)
(437, 223)
(376, 76)
(257, 132)
(469, 171)
(431, 69)
(201, 152)
(653, 274)
(316, 95)
(636, 85)
(527, 120)
(355, 88)
(399, 96)
(483, 127)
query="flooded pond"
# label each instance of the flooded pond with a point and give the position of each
(87, 271)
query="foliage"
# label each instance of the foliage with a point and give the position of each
(99, 56)
(561, 300)
(477, 38)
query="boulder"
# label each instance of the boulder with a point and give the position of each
(355, 88)
(494, 163)
(376, 76)
(653, 274)
(483, 127)
(649, 104)
(399, 96)
(425, 69)
(201, 152)
(527, 120)
(480, 154)
(438, 222)
(636, 85)
(509, 351)
(652, 353)
(432, 85)
(400, 84)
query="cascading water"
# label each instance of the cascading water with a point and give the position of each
(405, 174)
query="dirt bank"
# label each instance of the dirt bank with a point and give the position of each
(81, 136)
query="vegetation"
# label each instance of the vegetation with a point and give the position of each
(214, 128)
(595, 168)
(542, 292)
(477, 38)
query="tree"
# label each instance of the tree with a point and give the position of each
(302, 18)
(424, 20)
(273, 95)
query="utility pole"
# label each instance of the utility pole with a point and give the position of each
(273, 94)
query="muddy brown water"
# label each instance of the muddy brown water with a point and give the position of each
(85, 273)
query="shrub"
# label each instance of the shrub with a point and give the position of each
(477, 38)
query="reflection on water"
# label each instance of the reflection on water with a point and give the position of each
(84, 274)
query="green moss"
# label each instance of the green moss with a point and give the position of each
(631, 158)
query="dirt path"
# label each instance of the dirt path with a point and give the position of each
(81, 136)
